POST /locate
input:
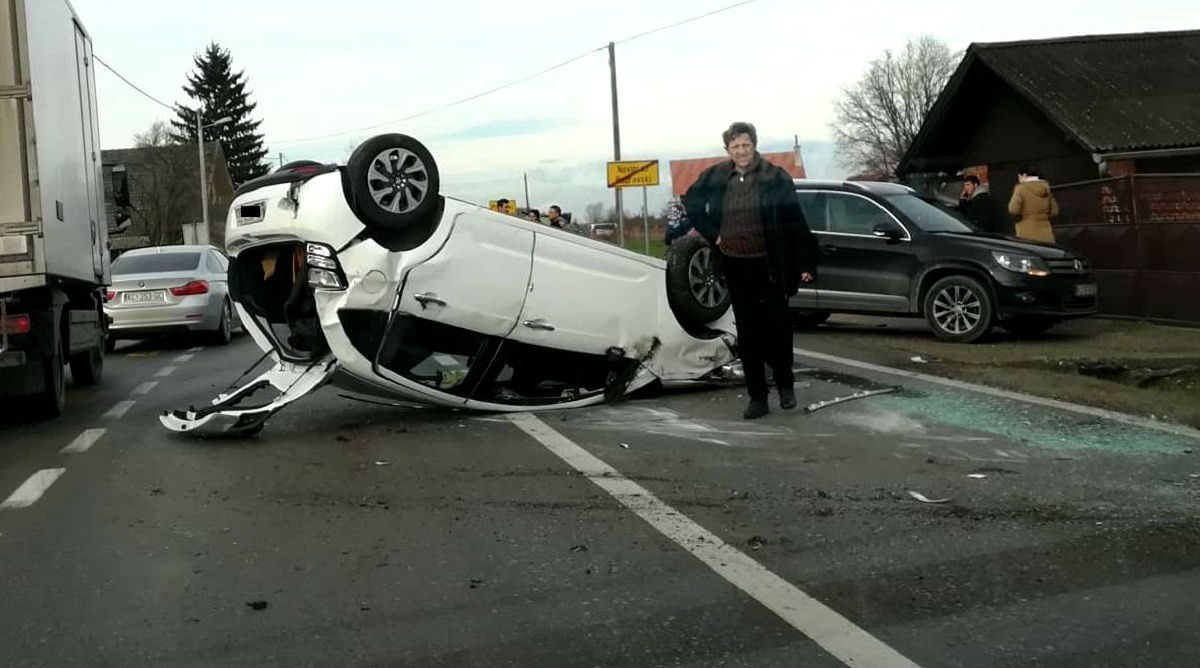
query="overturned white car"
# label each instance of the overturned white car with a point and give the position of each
(366, 277)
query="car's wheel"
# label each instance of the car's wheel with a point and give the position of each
(696, 287)
(393, 182)
(53, 398)
(87, 366)
(808, 319)
(959, 308)
(1029, 325)
(224, 332)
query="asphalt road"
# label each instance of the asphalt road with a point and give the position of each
(661, 531)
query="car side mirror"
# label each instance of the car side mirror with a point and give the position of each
(888, 231)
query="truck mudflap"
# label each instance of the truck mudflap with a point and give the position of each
(228, 417)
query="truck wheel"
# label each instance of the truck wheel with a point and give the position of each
(53, 399)
(696, 287)
(86, 367)
(393, 183)
(959, 308)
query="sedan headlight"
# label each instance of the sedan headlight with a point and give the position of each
(1029, 265)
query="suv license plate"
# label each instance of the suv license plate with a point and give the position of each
(144, 297)
(1085, 290)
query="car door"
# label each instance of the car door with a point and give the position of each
(859, 271)
(587, 299)
(455, 307)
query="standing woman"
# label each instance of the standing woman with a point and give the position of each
(1032, 206)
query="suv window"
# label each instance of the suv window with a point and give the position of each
(927, 216)
(432, 354)
(852, 214)
(813, 205)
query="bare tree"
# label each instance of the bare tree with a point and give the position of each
(880, 115)
(162, 184)
(594, 212)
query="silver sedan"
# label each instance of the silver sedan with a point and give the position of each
(170, 290)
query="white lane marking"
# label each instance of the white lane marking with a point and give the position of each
(838, 635)
(165, 371)
(119, 409)
(32, 489)
(196, 349)
(84, 441)
(144, 388)
(183, 358)
(1124, 418)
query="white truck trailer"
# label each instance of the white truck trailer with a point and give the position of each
(54, 262)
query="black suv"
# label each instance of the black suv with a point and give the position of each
(886, 251)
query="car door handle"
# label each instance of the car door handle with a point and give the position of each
(539, 324)
(829, 248)
(427, 298)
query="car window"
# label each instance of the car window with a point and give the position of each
(531, 375)
(928, 217)
(433, 354)
(813, 205)
(852, 214)
(149, 263)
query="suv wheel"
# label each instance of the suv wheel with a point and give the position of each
(696, 288)
(393, 182)
(959, 308)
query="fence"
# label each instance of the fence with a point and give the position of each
(1141, 234)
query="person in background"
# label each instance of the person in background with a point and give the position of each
(1032, 206)
(502, 205)
(556, 219)
(977, 205)
(747, 208)
(535, 215)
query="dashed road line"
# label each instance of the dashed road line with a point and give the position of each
(837, 635)
(119, 410)
(183, 358)
(196, 349)
(32, 489)
(84, 441)
(144, 388)
(1123, 418)
(165, 371)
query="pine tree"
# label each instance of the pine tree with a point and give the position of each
(222, 93)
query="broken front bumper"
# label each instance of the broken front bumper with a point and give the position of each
(227, 415)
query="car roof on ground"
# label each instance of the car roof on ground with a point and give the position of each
(874, 187)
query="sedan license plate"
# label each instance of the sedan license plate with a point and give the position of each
(1085, 290)
(144, 297)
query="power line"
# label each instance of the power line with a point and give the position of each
(514, 82)
(685, 21)
(444, 106)
(131, 84)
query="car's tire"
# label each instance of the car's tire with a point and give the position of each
(52, 400)
(87, 366)
(393, 183)
(809, 319)
(297, 164)
(696, 288)
(959, 308)
(224, 332)
(1029, 325)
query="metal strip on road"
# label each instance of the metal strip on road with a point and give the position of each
(1124, 418)
(32, 489)
(837, 635)
(84, 441)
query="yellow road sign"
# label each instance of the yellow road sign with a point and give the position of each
(632, 173)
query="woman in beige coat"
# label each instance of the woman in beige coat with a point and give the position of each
(1032, 206)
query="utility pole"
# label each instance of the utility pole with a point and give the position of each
(528, 204)
(612, 69)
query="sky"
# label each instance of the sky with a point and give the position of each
(320, 71)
